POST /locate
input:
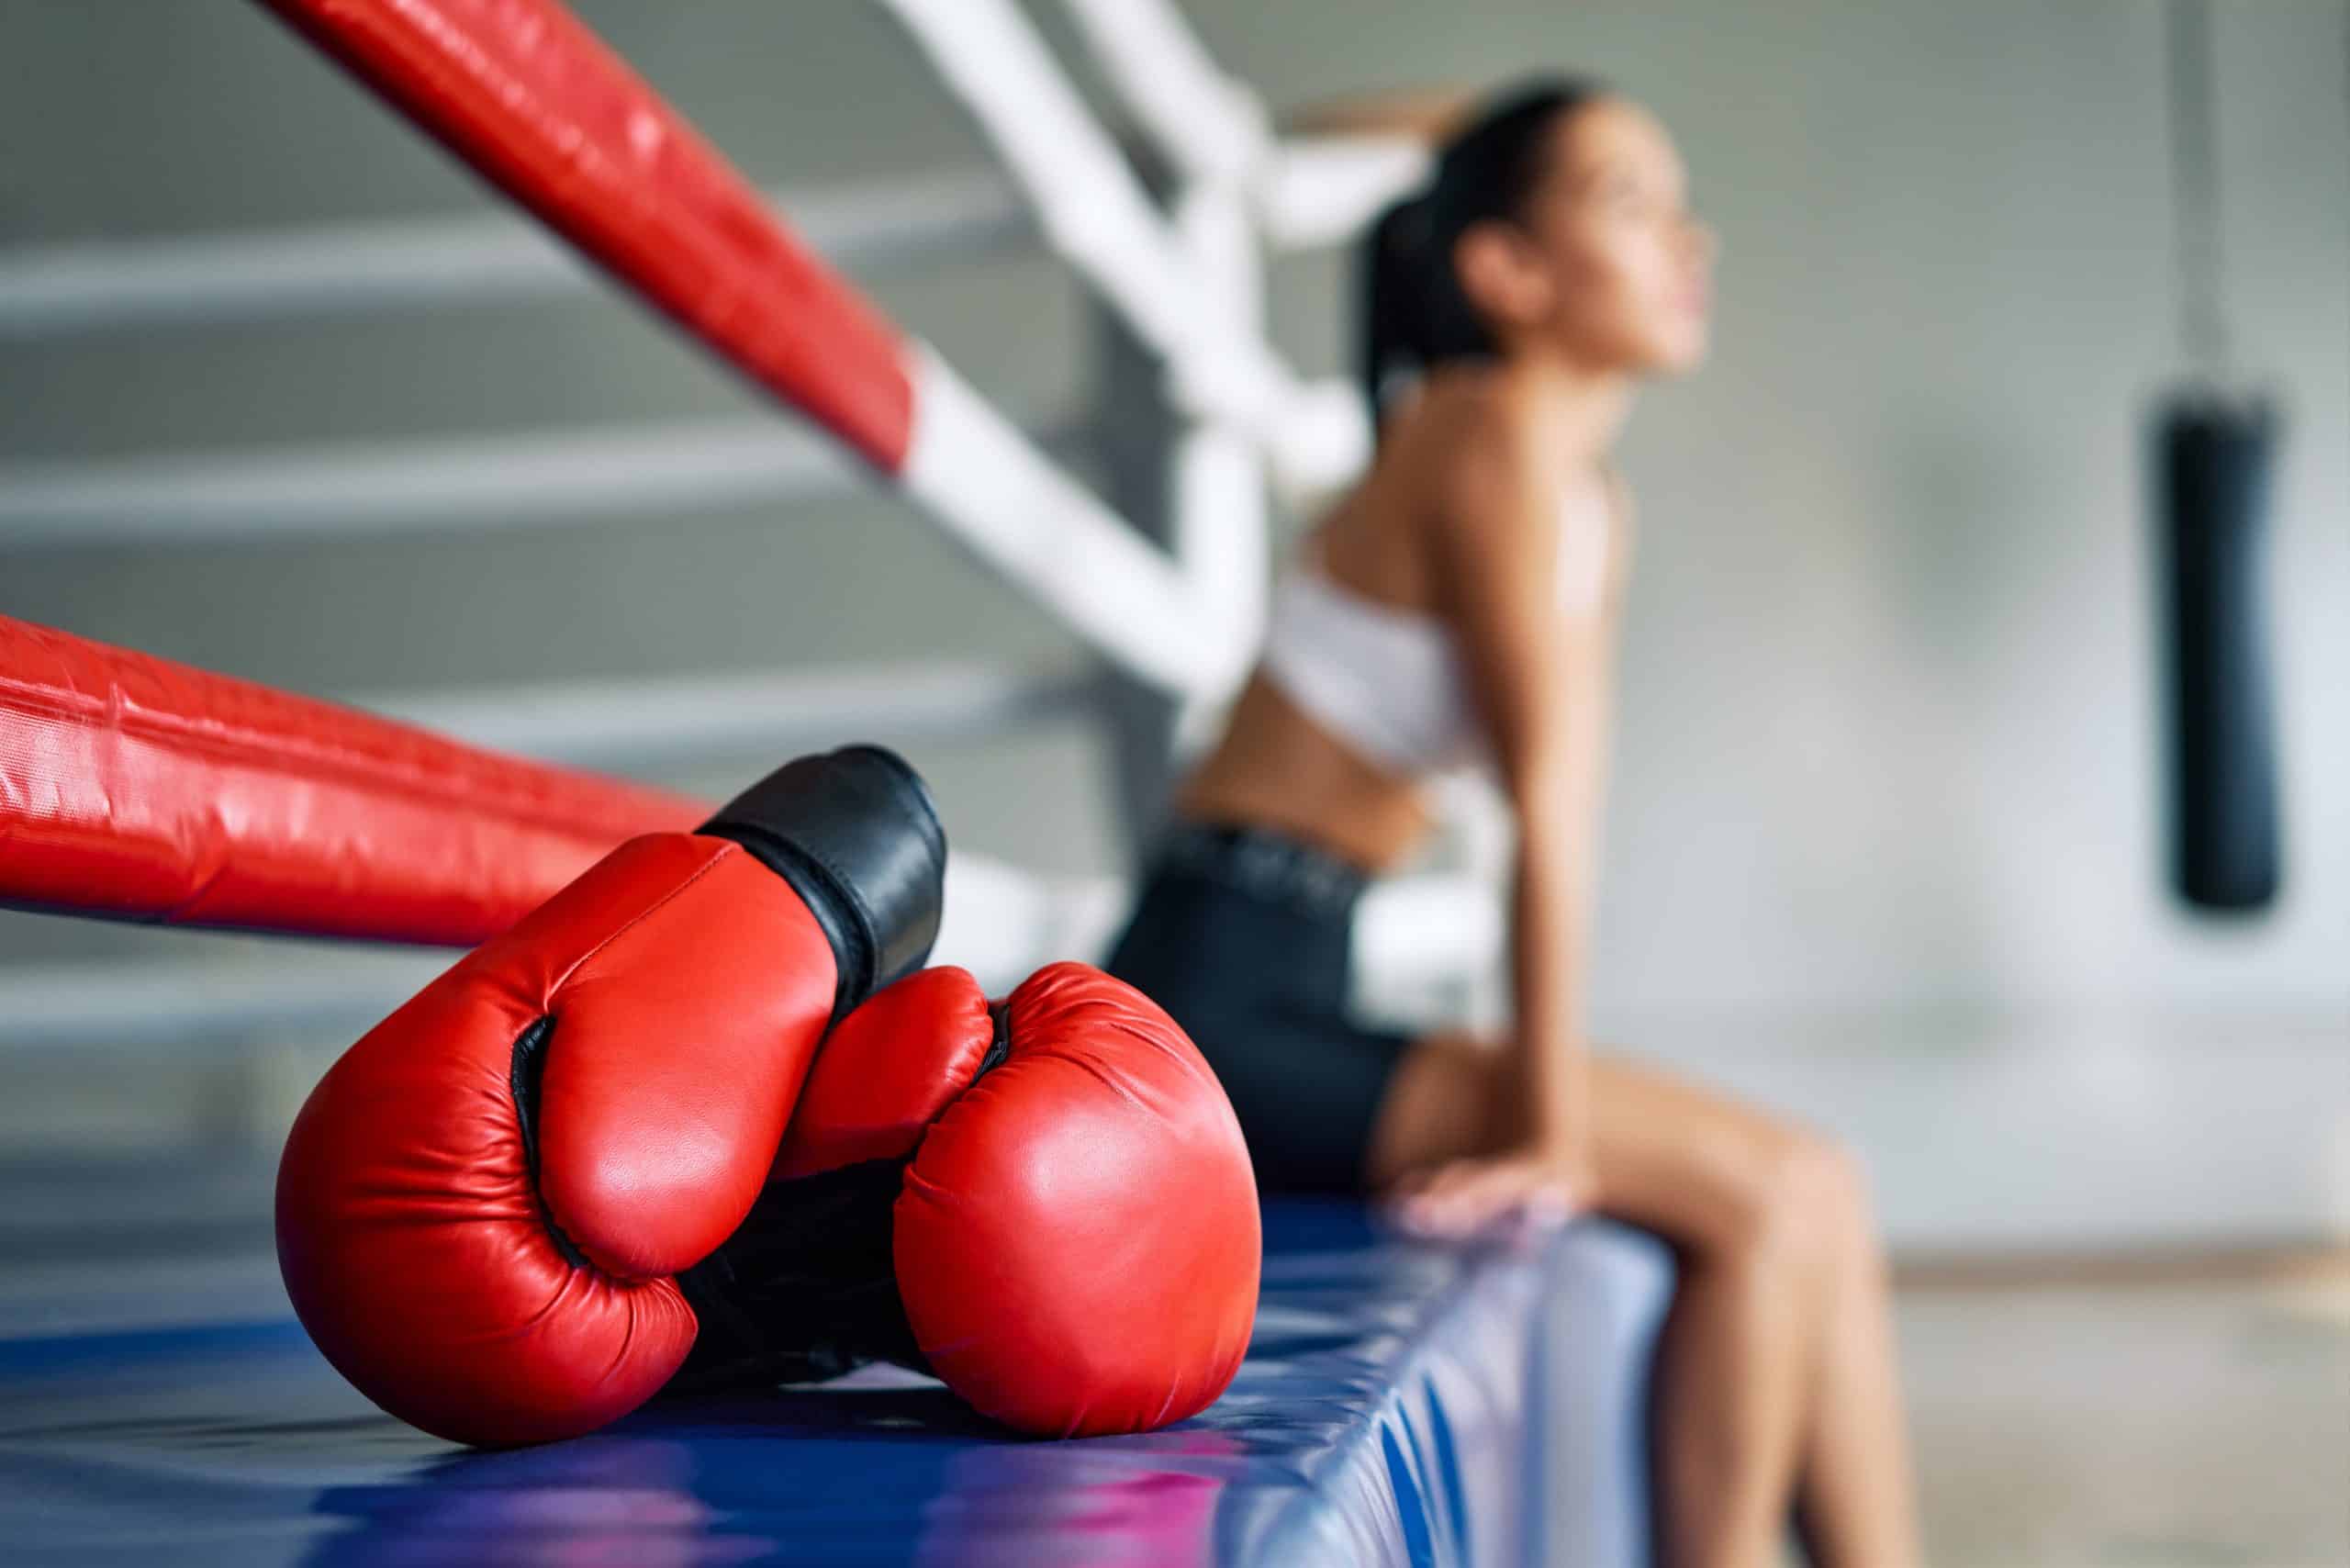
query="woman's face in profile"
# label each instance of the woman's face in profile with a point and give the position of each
(1629, 267)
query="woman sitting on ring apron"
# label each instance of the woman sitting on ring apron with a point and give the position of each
(1461, 604)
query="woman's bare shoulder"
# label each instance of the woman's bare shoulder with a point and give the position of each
(1483, 469)
(1454, 475)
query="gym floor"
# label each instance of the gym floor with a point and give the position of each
(2175, 1423)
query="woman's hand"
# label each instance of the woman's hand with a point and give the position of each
(1538, 1185)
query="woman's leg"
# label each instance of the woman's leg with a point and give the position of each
(1858, 1501)
(1778, 1371)
(1776, 1363)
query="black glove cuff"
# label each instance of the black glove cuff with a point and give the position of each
(856, 835)
(806, 1286)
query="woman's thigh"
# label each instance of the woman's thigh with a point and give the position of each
(1694, 1165)
(1702, 1168)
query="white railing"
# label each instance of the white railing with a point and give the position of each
(1001, 922)
(638, 725)
(356, 269)
(478, 485)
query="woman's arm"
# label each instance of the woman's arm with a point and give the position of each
(1540, 681)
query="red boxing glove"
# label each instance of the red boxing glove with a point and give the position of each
(1045, 1203)
(481, 1204)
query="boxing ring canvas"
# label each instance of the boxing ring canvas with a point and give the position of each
(1399, 1405)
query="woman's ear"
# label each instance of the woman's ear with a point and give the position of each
(1503, 278)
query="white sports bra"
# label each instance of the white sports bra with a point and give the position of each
(1390, 682)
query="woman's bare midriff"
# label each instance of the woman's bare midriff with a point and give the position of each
(1276, 768)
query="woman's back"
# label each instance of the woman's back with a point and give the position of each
(1362, 695)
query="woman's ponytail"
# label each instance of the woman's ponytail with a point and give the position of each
(1395, 289)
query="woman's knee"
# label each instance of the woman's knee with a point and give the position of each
(1802, 1194)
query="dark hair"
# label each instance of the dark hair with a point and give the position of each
(1416, 314)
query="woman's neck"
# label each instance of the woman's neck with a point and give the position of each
(1580, 409)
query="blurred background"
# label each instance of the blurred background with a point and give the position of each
(1886, 842)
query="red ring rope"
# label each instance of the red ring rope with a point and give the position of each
(137, 788)
(522, 91)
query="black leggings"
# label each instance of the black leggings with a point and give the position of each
(1243, 935)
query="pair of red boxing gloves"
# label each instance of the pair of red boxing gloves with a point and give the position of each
(702, 1120)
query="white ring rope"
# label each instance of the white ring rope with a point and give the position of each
(1023, 513)
(1217, 130)
(1095, 213)
(1213, 128)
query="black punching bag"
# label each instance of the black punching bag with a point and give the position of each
(2215, 463)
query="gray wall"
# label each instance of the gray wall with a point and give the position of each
(1889, 719)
